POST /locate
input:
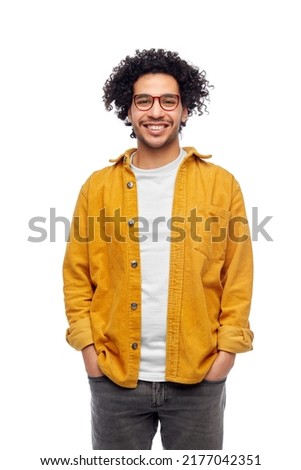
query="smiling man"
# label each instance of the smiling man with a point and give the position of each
(158, 269)
(156, 114)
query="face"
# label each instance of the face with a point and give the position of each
(157, 128)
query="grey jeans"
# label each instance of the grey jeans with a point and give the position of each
(191, 416)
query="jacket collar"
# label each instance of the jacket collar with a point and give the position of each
(125, 157)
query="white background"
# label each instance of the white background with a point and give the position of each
(55, 57)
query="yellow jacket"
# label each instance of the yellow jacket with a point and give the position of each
(210, 284)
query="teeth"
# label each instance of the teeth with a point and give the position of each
(155, 128)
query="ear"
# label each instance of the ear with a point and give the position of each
(184, 114)
(129, 115)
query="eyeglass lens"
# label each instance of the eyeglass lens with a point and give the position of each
(168, 102)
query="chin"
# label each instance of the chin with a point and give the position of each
(157, 142)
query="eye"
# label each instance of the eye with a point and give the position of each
(143, 100)
(169, 101)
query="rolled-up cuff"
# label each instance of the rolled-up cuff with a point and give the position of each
(79, 334)
(234, 339)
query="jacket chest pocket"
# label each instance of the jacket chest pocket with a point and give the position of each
(210, 231)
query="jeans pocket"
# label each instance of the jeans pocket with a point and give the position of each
(214, 382)
(96, 379)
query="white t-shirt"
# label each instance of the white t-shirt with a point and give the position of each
(155, 198)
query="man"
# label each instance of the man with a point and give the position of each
(158, 269)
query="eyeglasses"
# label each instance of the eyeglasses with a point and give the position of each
(168, 101)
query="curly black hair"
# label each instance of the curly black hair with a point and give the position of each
(118, 89)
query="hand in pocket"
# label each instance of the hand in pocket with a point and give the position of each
(221, 366)
(91, 363)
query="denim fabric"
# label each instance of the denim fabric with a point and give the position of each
(191, 416)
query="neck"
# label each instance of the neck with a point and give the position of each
(147, 158)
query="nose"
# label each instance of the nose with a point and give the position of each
(156, 111)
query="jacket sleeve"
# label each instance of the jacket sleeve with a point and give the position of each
(78, 287)
(234, 334)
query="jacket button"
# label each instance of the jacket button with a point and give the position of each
(130, 184)
(134, 264)
(134, 306)
(134, 346)
(131, 222)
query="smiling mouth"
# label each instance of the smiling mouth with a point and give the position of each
(156, 127)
